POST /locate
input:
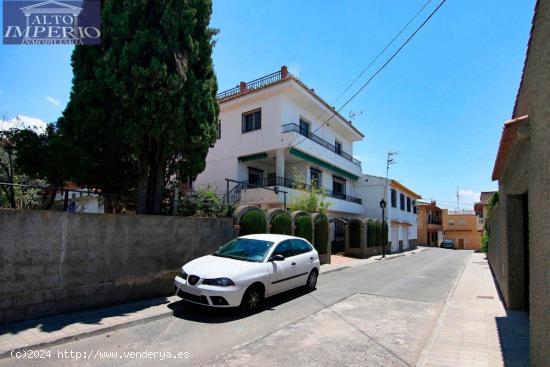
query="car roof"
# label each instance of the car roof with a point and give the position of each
(270, 237)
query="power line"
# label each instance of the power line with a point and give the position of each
(374, 60)
(381, 68)
(382, 51)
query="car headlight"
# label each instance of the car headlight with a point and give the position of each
(183, 274)
(220, 282)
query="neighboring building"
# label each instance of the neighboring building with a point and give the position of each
(79, 200)
(429, 223)
(519, 230)
(400, 208)
(275, 132)
(461, 226)
(481, 207)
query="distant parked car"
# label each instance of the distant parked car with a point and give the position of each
(450, 244)
(244, 271)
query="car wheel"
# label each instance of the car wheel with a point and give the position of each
(312, 280)
(252, 300)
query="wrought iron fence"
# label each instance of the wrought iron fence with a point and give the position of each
(293, 127)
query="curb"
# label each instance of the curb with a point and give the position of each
(87, 334)
(428, 347)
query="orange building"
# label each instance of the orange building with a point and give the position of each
(428, 222)
(462, 227)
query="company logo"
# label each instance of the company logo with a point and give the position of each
(67, 22)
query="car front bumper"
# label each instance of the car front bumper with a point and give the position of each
(208, 295)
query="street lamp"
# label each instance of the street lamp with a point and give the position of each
(383, 206)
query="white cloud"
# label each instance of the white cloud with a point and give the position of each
(24, 122)
(469, 196)
(53, 101)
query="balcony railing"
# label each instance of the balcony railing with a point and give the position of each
(291, 184)
(255, 84)
(308, 134)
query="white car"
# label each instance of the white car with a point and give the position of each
(244, 271)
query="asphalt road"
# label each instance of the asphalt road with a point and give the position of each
(381, 312)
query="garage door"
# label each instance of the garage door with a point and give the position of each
(394, 239)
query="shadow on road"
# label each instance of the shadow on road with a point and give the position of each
(95, 316)
(212, 315)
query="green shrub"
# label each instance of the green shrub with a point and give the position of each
(253, 222)
(485, 242)
(321, 234)
(203, 202)
(304, 227)
(385, 231)
(371, 233)
(378, 233)
(281, 224)
(354, 228)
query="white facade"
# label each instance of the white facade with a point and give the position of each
(402, 228)
(282, 150)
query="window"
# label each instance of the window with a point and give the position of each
(304, 127)
(246, 249)
(316, 178)
(300, 247)
(255, 176)
(284, 248)
(393, 198)
(338, 147)
(338, 186)
(408, 204)
(252, 120)
(402, 201)
(414, 206)
(219, 129)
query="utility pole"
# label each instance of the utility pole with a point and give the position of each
(389, 161)
(457, 200)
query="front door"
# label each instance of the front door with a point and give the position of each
(281, 273)
(461, 243)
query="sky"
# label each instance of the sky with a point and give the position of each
(440, 103)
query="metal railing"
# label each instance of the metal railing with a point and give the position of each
(252, 85)
(285, 182)
(295, 128)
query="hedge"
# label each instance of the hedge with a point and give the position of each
(385, 231)
(253, 222)
(304, 227)
(371, 233)
(321, 234)
(378, 232)
(354, 228)
(281, 224)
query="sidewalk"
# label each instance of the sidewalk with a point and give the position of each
(474, 329)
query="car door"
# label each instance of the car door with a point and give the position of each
(281, 273)
(304, 258)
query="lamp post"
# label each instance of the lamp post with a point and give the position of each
(383, 206)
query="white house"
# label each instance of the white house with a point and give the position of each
(400, 210)
(275, 131)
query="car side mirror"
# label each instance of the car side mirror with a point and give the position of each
(277, 257)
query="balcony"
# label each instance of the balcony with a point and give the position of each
(264, 81)
(295, 128)
(291, 184)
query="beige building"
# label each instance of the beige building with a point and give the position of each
(519, 230)
(462, 228)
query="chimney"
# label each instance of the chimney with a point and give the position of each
(242, 87)
(284, 72)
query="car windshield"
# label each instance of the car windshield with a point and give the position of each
(246, 249)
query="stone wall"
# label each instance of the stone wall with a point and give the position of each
(53, 262)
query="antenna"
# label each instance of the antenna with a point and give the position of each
(457, 199)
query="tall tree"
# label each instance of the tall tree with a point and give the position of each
(143, 103)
